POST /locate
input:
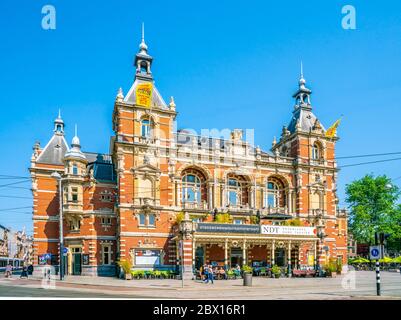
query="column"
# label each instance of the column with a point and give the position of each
(273, 253)
(210, 196)
(299, 256)
(289, 259)
(193, 254)
(244, 253)
(315, 255)
(290, 211)
(226, 254)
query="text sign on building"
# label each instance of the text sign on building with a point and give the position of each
(227, 228)
(287, 230)
(144, 94)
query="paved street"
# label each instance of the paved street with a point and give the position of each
(361, 285)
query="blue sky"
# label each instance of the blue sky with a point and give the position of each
(228, 65)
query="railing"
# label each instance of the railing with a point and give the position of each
(195, 205)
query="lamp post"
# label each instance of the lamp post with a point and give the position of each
(57, 176)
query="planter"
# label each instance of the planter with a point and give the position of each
(128, 276)
(247, 279)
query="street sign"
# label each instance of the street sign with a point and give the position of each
(65, 250)
(375, 252)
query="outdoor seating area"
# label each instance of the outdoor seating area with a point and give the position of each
(153, 274)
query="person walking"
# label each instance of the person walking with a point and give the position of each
(206, 272)
(210, 274)
(9, 271)
(24, 273)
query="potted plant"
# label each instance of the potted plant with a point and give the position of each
(339, 267)
(126, 266)
(276, 271)
(246, 269)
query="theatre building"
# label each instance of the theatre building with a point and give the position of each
(160, 195)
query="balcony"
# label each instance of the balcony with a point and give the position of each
(195, 205)
(275, 213)
(72, 206)
(238, 209)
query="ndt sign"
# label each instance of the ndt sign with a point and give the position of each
(375, 252)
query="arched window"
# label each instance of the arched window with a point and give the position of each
(316, 154)
(273, 194)
(191, 189)
(234, 192)
(146, 126)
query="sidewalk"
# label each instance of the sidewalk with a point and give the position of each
(263, 288)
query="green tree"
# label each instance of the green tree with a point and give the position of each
(372, 202)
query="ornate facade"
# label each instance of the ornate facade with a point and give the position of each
(225, 200)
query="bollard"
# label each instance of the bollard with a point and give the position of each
(378, 278)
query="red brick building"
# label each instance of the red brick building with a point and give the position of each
(231, 202)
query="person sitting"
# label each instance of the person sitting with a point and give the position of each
(9, 271)
(223, 273)
(237, 271)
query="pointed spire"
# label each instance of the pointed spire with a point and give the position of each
(75, 152)
(302, 80)
(143, 48)
(172, 103)
(75, 140)
(59, 113)
(120, 95)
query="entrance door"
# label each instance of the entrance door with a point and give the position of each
(280, 257)
(236, 257)
(199, 258)
(76, 261)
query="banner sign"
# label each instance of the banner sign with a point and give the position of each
(227, 228)
(144, 94)
(288, 230)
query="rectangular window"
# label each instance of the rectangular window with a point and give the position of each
(74, 169)
(141, 219)
(151, 220)
(271, 200)
(74, 194)
(232, 198)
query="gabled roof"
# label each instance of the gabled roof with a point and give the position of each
(157, 99)
(54, 151)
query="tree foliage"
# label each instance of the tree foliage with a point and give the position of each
(372, 201)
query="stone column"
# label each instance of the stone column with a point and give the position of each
(210, 196)
(244, 259)
(315, 255)
(226, 254)
(186, 254)
(273, 253)
(289, 259)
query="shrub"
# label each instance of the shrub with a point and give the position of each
(246, 269)
(293, 222)
(125, 265)
(138, 274)
(276, 271)
(223, 218)
(255, 220)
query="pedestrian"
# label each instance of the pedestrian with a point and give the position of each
(9, 271)
(30, 269)
(206, 272)
(24, 273)
(210, 274)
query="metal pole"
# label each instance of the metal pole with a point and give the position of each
(61, 229)
(378, 278)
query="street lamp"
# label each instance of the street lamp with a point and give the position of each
(57, 176)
